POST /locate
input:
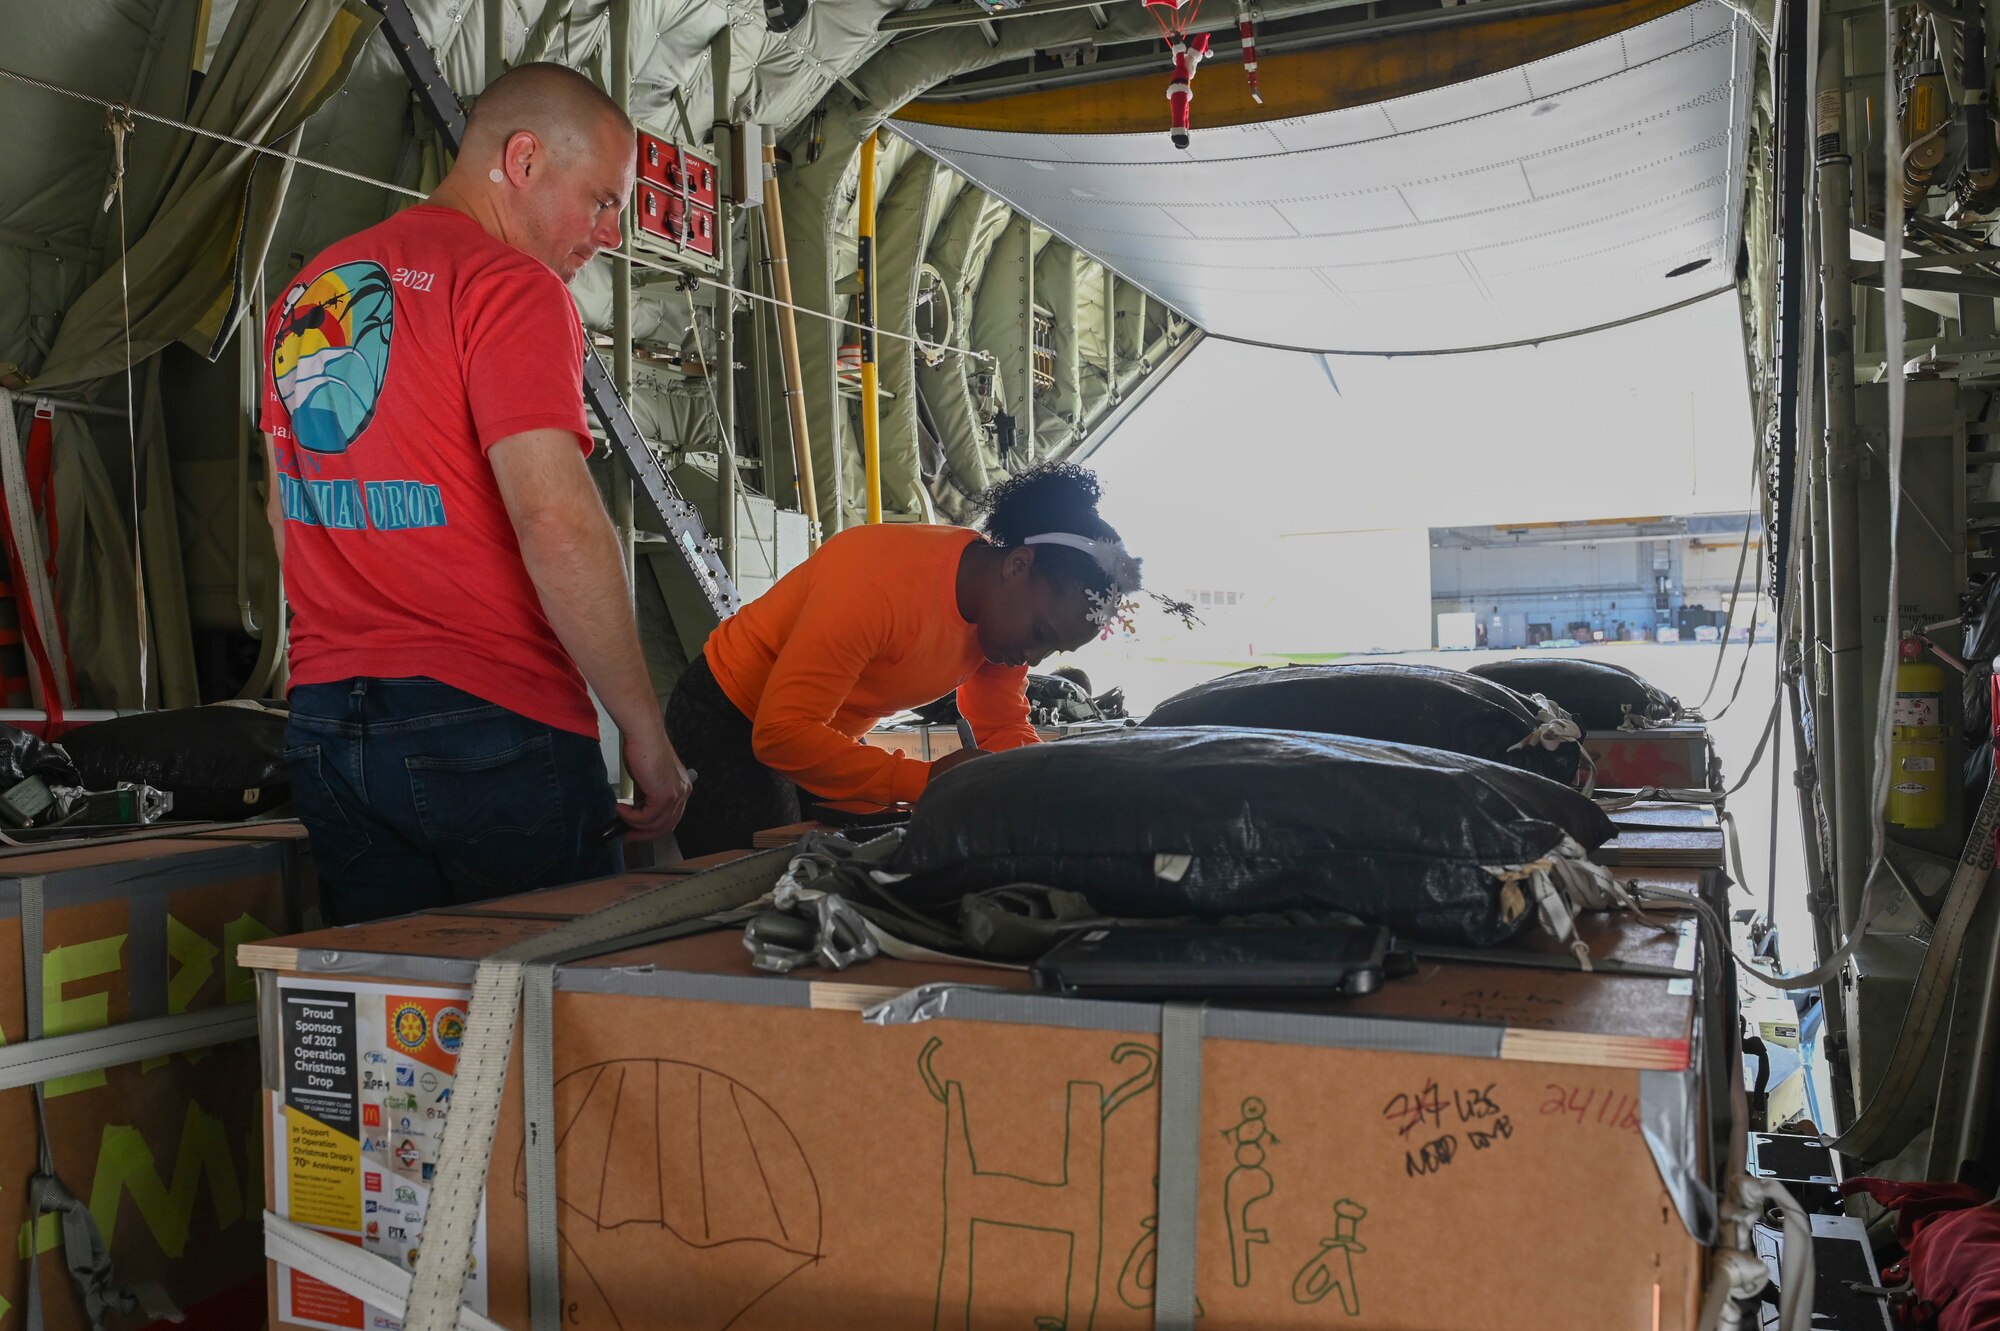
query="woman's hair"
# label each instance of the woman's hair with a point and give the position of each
(1051, 497)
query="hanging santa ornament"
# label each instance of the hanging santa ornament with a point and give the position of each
(1188, 55)
(1174, 18)
(1246, 29)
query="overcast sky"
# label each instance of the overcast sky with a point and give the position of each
(1241, 445)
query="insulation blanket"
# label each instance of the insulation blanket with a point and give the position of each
(1162, 822)
(1405, 704)
(1596, 693)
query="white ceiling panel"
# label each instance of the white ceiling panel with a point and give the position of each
(1527, 204)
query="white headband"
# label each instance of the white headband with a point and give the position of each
(1111, 556)
(1107, 553)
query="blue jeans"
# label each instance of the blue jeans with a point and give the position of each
(416, 794)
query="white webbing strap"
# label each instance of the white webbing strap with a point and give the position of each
(376, 1281)
(1561, 883)
(55, 1056)
(1554, 728)
(464, 1155)
(452, 1217)
(1180, 1167)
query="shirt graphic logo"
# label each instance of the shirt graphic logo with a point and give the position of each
(331, 354)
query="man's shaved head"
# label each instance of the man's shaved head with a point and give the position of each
(550, 101)
(546, 165)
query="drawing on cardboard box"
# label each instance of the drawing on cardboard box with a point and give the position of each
(1248, 1183)
(1139, 1277)
(682, 1173)
(1069, 1208)
(1333, 1267)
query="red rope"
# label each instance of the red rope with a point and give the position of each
(31, 628)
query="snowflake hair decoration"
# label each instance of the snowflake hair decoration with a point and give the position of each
(1121, 573)
(1112, 607)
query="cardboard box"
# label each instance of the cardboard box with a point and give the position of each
(1674, 757)
(165, 1152)
(1462, 1149)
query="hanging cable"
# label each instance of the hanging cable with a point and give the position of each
(1894, 161)
(626, 253)
(1735, 595)
(119, 124)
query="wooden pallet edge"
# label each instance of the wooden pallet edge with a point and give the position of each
(252, 956)
(1599, 1051)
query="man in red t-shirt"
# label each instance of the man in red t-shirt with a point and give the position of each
(453, 575)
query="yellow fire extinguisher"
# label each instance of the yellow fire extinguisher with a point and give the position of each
(1916, 751)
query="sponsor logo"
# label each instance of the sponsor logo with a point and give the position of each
(371, 1116)
(371, 1182)
(374, 1143)
(407, 1154)
(450, 1029)
(371, 1081)
(397, 1235)
(409, 1028)
(374, 1056)
(370, 1207)
(429, 1081)
(444, 1096)
(428, 1171)
(374, 1229)
(404, 1194)
(406, 1075)
(406, 1123)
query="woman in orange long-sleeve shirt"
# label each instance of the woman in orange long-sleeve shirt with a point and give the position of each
(880, 619)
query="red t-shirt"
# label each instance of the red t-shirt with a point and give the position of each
(392, 363)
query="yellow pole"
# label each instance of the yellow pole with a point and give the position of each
(871, 414)
(788, 345)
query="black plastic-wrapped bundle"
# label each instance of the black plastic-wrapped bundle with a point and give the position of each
(219, 763)
(1976, 697)
(1596, 693)
(23, 755)
(1981, 633)
(1404, 704)
(1158, 823)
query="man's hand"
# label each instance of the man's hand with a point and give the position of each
(939, 766)
(661, 782)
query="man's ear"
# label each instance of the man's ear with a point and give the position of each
(520, 156)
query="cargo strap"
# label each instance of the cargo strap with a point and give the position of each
(464, 1155)
(54, 1056)
(84, 1253)
(376, 1280)
(29, 566)
(1553, 728)
(1180, 1172)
